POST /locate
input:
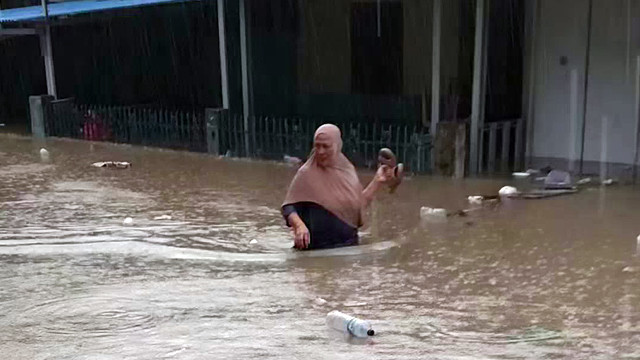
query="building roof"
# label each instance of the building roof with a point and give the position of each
(36, 13)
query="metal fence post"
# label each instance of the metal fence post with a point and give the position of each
(214, 118)
(506, 146)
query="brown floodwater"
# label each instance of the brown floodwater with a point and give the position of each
(526, 279)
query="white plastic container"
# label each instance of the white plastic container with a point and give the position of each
(475, 199)
(44, 154)
(507, 191)
(427, 212)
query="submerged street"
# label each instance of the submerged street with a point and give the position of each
(552, 278)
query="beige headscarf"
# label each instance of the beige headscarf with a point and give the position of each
(336, 186)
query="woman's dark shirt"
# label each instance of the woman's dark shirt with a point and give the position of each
(326, 229)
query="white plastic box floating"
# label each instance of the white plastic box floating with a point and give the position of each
(432, 213)
(475, 199)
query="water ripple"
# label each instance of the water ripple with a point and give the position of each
(86, 315)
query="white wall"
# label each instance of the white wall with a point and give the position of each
(561, 31)
(612, 70)
(615, 41)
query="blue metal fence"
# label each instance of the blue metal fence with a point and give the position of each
(222, 133)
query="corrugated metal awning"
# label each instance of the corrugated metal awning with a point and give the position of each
(36, 13)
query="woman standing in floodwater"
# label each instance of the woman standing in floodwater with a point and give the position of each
(325, 200)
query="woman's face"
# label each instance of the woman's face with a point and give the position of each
(323, 147)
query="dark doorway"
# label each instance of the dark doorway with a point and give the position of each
(376, 47)
(505, 60)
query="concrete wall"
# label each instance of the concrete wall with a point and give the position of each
(615, 40)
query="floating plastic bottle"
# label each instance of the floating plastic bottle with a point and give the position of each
(349, 324)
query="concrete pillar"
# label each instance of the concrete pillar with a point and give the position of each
(461, 151)
(636, 134)
(435, 71)
(478, 91)
(222, 41)
(246, 73)
(39, 107)
(435, 65)
(450, 150)
(529, 82)
(586, 85)
(604, 149)
(47, 52)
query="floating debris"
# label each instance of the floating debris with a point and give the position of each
(44, 154)
(475, 199)
(292, 160)
(354, 303)
(253, 242)
(428, 212)
(112, 164)
(557, 179)
(608, 182)
(508, 190)
(162, 217)
(320, 301)
(583, 181)
(127, 221)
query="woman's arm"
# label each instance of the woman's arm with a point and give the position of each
(301, 235)
(383, 175)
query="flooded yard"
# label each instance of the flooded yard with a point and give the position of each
(528, 279)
